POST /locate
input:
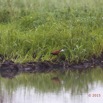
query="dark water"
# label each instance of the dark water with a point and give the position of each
(69, 87)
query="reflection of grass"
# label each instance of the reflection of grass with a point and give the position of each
(75, 82)
(79, 83)
(38, 26)
(41, 82)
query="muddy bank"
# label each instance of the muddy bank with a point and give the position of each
(9, 69)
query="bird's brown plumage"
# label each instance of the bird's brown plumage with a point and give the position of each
(56, 52)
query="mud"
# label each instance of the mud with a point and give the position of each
(9, 69)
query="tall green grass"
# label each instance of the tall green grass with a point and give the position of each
(46, 25)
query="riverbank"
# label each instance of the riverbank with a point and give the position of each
(10, 69)
(32, 34)
(27, 35)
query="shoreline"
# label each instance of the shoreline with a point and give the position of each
(10, 69)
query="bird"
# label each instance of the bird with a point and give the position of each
(56, 52)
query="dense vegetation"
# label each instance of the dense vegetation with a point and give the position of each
(41, 26)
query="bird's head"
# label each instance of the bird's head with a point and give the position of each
(62, 50)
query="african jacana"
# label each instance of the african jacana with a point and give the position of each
(56, 52)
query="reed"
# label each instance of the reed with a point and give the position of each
(43, 26)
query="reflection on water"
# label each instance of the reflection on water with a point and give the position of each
(69, 87)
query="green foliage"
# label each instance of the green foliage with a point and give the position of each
(32, 22)
(5, 16)
(75, 27)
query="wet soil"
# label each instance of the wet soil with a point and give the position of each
(10, 69)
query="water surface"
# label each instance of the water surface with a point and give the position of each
(68, 87)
